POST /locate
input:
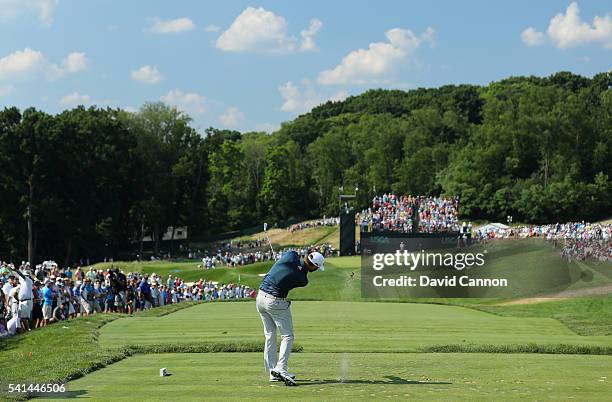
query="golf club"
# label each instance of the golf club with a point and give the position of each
(267, 237)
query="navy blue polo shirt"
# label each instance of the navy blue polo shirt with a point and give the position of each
(287, 273)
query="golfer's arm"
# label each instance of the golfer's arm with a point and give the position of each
(18, 273)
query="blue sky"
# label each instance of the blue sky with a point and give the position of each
(253, 65)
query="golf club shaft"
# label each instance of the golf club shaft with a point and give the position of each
(270, 243)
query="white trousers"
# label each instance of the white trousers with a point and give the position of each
(275, 313)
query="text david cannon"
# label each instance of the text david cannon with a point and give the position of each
(424, 281)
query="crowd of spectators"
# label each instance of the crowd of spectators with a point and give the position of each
(390, 212)
(438, 214)
(32, 299)
(232, 259)
(332, 221)
(580, 241)
(326, 249)
(235, 259)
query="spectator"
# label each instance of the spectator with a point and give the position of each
(47, 307)
(59, 313)
(144, 290)
(88, 297)
(119, 287)
(130, 296)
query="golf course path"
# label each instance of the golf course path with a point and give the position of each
(566, 294)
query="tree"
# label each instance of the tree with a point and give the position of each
(169, 149)
(283, 190)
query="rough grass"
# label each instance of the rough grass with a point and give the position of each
(316, 235)
(584, 315)
(564, 349)
(205, 347)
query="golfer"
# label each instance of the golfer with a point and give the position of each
(287, 273)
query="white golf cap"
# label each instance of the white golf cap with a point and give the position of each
(317, 259)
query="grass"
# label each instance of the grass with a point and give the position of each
(55, 352)
(584, 315)
(280, 238)
(306, 237)
(380, 350)
(357, 376)
(71, 349)
(323, 326)
(63, 350)
(531, 266)
(536, 267)
(554, 349)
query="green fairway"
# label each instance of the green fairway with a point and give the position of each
(356, 376)
(533, 264)
(347, 327)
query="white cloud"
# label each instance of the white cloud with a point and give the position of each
(300, 101)
(232, 117)
(21, 62)
(267, 127)
(531, 37)
(147, 75)
(339, 96)
(212, 28)
(44, 8)
(6, 90)
(190, 103)
(130, 109)
(74, 99)
(309, 34)
(74, 62)
(260, 30)
(291, 97)
(172, 26)
(29, 64)
(568, 30)
(378, 61)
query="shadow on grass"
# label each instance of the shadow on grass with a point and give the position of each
(390, 381)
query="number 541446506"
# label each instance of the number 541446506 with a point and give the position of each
(36, 388)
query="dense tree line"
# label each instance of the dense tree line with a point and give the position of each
(93, 182)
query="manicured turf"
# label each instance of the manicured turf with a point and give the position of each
(63, 350)
(347, 327)
(352, 376)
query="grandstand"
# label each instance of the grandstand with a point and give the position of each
(410, 214)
